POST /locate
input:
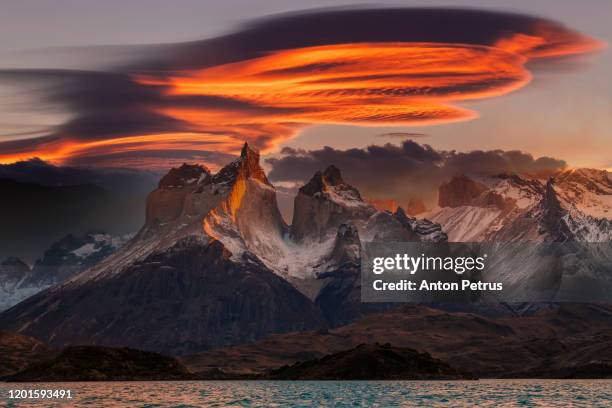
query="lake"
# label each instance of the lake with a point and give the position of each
(493, 393)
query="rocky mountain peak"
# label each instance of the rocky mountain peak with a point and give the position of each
(332, 176)
(249, 164)
(554, 215)
(245, 167)
(347, 246)
(422, 229)
(247, 217)
(322, 181)
(187, 174)
(459, 191)
(168, 203)
(324, 203)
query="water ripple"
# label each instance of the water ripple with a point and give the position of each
(486, 393)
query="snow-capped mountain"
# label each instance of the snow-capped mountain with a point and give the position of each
(215, 264)
(574, 205)
(571, 208)
(13, 272)
(64, 259)
(586, 196)
(71, 255)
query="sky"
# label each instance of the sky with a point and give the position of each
(154, 83)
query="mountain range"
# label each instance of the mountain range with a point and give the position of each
(573, 205)
(215, 264)
(62, 260)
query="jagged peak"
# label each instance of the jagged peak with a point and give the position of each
(347, 230)
(347, 246)
(553, 214)
(332, 176)
(247, 151)
(184, 175)
(426, 230)
(400, 213)
(323, 180)
(246, 166)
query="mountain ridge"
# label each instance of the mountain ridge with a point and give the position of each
(213, 265)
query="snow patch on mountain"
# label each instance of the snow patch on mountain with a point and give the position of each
(522, 208)
(466, 223)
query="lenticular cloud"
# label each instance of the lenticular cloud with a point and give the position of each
(271, 78)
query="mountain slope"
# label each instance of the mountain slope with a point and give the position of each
(574, 205)
(19, 351)
(13, 273)
(188, 276)
(565, 216)
(62, 260)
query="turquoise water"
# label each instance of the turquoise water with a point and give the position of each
(491, 393)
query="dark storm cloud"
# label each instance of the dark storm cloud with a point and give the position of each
(111, 104)
(104, 104)
(342, 25)
(406, 171)
(108, 105)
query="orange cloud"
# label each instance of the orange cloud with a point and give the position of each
(363, 84)
(269, 96)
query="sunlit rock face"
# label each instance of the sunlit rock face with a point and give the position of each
(166, 203)
(247, 218)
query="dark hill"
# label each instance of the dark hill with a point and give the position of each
(18, 351)
(94, 363)
(371, 362)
